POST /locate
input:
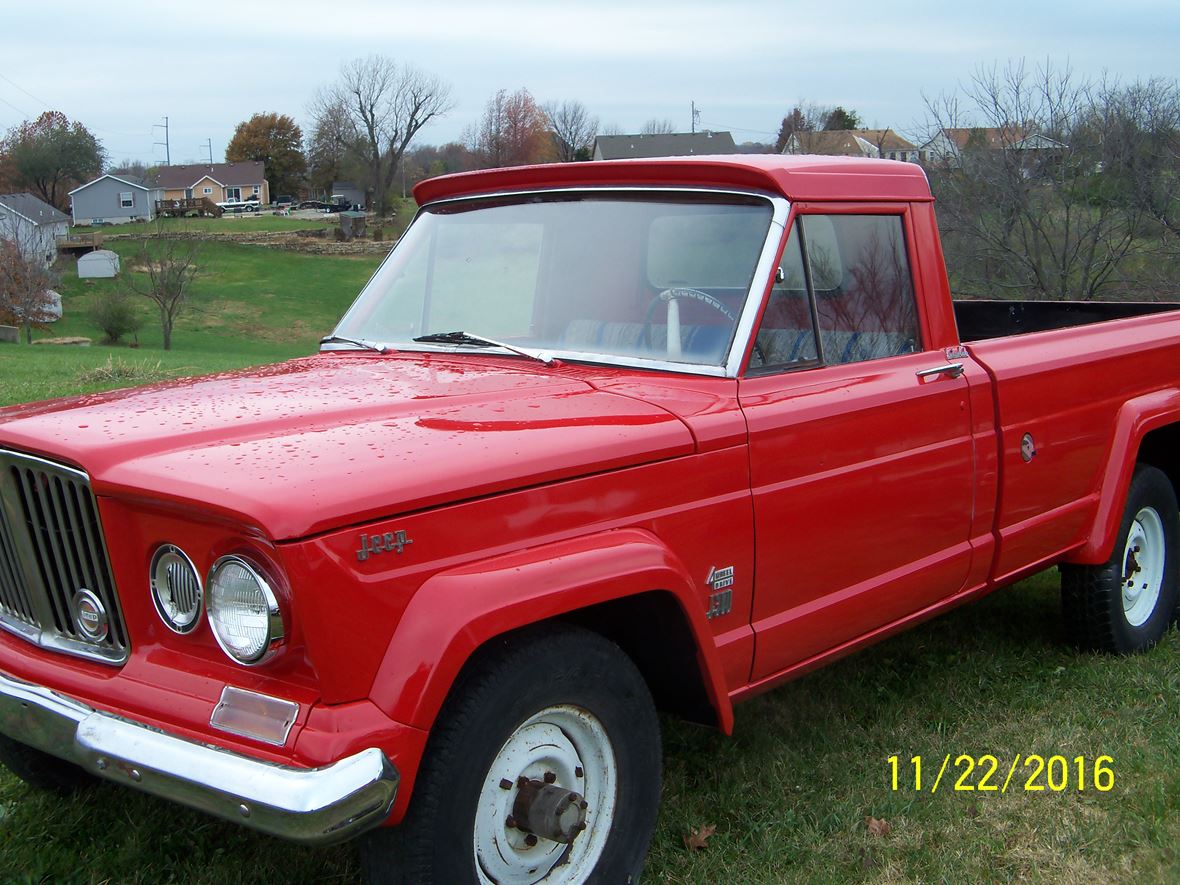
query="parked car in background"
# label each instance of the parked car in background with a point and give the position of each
(249, 205)
(284, 201)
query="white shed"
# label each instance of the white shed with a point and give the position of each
(101, 263)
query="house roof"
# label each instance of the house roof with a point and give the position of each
(851, 142)
(131, 180)
(990, 137)
(228, 174)
(796, 178)
(32, 209)
(673, 144)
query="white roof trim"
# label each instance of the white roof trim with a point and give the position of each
(198, 181)
(142, 187)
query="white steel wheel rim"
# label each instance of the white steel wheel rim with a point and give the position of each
(561, 740)
(1143, 566)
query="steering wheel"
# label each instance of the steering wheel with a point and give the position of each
(672, 297)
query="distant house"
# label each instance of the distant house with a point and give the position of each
(114, 199)
(218, 182)
(32, 225)
(884, 144)
(947, 146)
(672, 144)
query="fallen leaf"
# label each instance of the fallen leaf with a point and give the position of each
(699, 838)
(878, 827)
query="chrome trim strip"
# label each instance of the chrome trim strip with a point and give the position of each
(780, 207)
(313, 806)
(764, 270)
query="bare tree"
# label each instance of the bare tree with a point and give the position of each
(573, 130)
(386, 105)
(163, 271)
(1029, 206)
(658, 127)
(512, 132)
(26, 299)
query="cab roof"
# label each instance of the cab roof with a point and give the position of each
(802, 177)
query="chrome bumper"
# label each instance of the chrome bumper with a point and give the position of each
(313, 806)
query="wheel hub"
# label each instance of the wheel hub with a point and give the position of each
(549, 811)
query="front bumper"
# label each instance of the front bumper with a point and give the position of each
(313, 806)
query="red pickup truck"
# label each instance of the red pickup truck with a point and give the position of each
(596, 439)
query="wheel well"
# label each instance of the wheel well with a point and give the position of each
(1161, 448)
(652, 630)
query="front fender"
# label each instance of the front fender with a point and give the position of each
(457, 611)
(1134, 421)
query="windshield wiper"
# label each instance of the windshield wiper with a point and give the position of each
(358, 342)
(464, 338)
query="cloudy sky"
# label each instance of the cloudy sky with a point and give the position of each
(121, 66)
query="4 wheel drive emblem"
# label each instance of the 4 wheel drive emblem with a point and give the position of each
(90, 616)
(721, 599)
(374, 544)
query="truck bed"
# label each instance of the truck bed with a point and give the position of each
(983, 319)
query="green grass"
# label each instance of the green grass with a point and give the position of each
(247, 222)
(788, 794)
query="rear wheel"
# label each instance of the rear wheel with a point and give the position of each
(543, 767)
(1127, 604)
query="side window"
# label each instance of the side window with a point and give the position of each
(864, 293)
(786, 337)
(861, 290)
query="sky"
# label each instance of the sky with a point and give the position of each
(122, 66)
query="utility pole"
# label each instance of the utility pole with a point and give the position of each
(696, 115)
(209, 144)
(165, 143)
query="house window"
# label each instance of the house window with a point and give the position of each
(255, 188)
(206, 191)
(126, 199)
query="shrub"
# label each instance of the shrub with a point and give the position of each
(115, 314)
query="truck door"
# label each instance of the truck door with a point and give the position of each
(860, 445)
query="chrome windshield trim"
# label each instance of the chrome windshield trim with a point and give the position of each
(780, 210)
(758, 286)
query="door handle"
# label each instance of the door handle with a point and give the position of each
(954, 370)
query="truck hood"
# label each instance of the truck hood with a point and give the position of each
(337, 439)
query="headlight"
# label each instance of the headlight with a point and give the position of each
(176, 588)
(243, 611)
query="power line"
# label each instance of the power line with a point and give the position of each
(25, 91)
(716, 127)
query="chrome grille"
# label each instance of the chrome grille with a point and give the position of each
(51, 549)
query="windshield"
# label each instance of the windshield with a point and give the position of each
(594, 276)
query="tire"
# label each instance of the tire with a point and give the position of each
(1127, 604)
(39, 769)
(561, 700)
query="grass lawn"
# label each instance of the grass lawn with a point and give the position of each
(248, 222)
(790, 795)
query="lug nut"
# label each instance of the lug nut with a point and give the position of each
(505, 784)
(521, 781)
(550, 777)
(510, 822)
(530, 840)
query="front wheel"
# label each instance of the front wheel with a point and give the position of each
(1127, 604)
(543, 767)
